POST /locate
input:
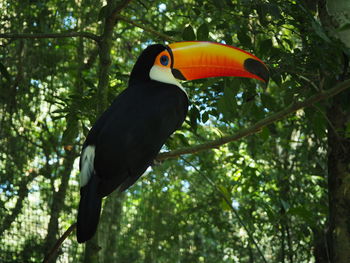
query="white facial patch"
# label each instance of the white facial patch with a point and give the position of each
(163, 74)
(87, 164)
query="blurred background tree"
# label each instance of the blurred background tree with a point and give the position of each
(277, 195)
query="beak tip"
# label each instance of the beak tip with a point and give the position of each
(257, 68)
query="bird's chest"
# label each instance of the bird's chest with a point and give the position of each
(162, 105)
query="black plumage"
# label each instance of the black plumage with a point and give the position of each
(128, 136)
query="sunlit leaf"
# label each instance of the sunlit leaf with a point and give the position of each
(203, 32)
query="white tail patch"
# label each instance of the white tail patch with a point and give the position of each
(87, 164)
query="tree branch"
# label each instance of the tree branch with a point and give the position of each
(257, 126)
(119, 8)
(58, 243)
(50, 35)
(145, 28)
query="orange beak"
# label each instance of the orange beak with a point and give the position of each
(196, 59)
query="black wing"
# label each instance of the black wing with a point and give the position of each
(132, 131)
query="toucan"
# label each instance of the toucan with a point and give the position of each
(127, 137)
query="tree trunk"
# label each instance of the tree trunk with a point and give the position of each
(339, 180)
(334, 16)
(320, 252)
(110, 227)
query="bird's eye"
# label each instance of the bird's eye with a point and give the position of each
(164, 60)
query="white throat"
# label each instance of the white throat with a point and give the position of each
(163, 74)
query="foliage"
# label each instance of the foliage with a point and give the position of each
(275, 180)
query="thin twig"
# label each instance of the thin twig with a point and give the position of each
(50, 35)
(257, 126)
(145, 28)
(310, 81)
(58, 243)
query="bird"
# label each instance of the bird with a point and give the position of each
(127, 137)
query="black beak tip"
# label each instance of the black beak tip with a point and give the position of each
(257, 68)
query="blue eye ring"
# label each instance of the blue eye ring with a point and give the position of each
(164, 60)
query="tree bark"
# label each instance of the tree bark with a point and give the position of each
(110, 227)
(339, 180)
(334, 15)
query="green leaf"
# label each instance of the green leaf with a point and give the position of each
(274, 11)
(103, 13)
(183, 139)
(347, 130)
(285, 205)
(319, 31)
(344, 27)
(302, 213)
(205, 117)
(203, 32)
(229, 96)
(268, 102)
(172, 33)
(265, 134)
(317, 122)
(319, 125)
(243, 38)
(289, 42)
(4, 72)
(59, 111)
(228, 39)
(71, 131)
(194, 116)
(346, 51)
(269, 211)
(222, 108)
(227, 103)
(219, 3)
(188, 34)
(265, 46)
(224, 205)
(225, 192)
(233, 84)
(262, 10)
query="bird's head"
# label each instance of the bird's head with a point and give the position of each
(191, 60)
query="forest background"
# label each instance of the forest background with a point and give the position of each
(255, 174)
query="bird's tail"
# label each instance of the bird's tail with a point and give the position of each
(89, 210)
